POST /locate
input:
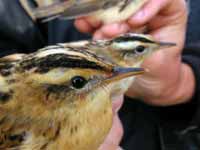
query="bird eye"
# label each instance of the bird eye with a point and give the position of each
(78, 82)
(140, 49)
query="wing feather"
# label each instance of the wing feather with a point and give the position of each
(68, 9)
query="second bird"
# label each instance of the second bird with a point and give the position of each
(127, 50)
(107, 11)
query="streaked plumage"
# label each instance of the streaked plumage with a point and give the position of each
(107, 11)
(127, 50)
(57, 98)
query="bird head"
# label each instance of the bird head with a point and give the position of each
(128, 50)
(56, 79)
(132, 49)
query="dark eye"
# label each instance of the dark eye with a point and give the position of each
(78, 82)
(140, 49)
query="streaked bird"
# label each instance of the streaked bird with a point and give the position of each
(107, 11)
(127, 50)
(57, 98)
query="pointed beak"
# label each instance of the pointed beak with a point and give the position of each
(165, 44)
(120, 73)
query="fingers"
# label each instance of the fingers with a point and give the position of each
(147, 12)
(86, 24)
(154, 15)
(83, 26)
(111, 30)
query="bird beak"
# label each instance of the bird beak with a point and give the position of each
(120, 73)
(165, 44)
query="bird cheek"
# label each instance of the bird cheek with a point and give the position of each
(81, 96)
(50, 99)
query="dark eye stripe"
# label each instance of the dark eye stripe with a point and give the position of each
(53, 88)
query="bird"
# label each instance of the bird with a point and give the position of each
(57, 98)
(106, 11)
(126, 50)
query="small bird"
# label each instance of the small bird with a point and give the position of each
(107, 11)
(127, 50)
(57, 98)
(124, 50)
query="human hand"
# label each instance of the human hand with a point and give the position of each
(165, 83)
(166, 21)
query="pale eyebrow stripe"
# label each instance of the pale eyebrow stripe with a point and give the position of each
(59, 51)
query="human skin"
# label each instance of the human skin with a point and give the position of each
(164, 84)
